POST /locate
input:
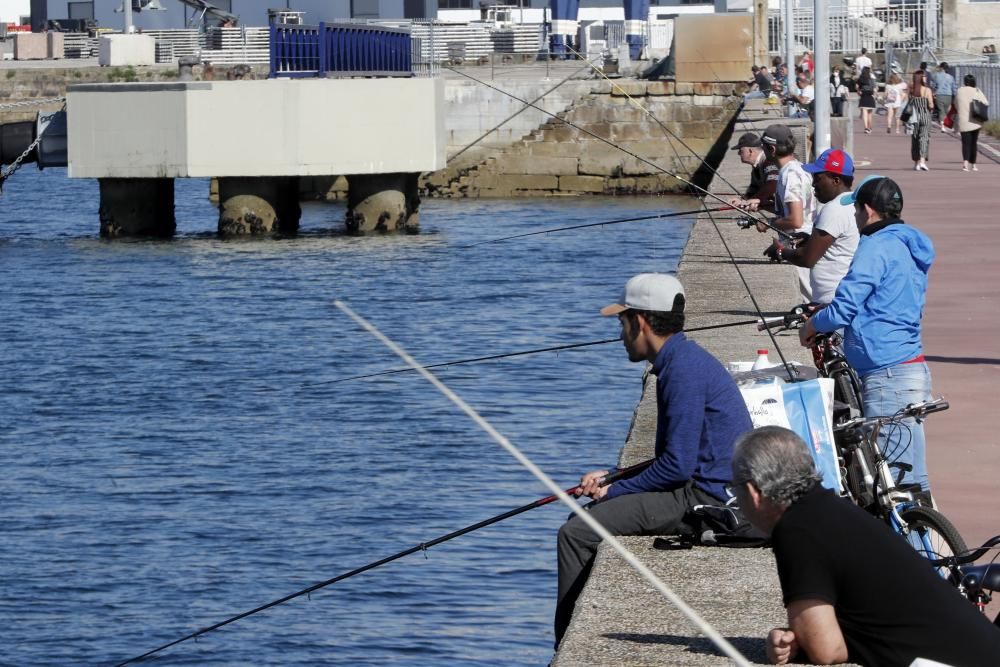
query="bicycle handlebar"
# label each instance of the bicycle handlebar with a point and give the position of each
(911, 410)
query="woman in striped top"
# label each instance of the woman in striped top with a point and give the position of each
(921, 104)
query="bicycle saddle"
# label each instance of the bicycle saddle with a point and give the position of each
(981, 576)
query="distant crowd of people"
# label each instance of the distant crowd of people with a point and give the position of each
(930, 95)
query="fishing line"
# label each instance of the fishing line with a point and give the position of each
(609, 143)
(596, 224)
(788, 368)
(517, 113)
(624, 473)
(522, 353)
(647, 574)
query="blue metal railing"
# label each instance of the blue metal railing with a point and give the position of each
(340, 49)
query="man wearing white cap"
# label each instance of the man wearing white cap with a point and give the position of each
(699, 415)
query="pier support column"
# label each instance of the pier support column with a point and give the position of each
(258, 205)
(382, 202)
(137, 207)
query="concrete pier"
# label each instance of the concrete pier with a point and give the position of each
(258, 136)
(619, 619)
(254, 206)
(137, 207)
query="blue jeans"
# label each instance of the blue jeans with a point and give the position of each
(888, 391)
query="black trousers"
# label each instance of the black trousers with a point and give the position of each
(650, 513)
(969, 143)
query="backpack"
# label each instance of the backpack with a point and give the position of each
(724, 526)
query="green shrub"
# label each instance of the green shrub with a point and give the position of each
(992, 128)
(11, 74)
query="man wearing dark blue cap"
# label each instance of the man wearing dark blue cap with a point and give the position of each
(830, 247)
(880, 303)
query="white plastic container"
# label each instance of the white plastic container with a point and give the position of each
(762, 361)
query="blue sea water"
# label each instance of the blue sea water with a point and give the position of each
(172, 452)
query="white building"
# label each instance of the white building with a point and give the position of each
(12, 11)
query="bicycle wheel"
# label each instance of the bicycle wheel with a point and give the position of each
(932, 534)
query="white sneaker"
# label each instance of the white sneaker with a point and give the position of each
(975, 168)
(925, 167)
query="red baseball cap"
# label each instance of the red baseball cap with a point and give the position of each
(832, 160)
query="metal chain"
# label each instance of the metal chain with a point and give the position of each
(31, 103)
(16, 164)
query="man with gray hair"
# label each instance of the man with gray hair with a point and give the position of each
(854, 591)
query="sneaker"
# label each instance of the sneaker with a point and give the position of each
(925, 167)
(965, 169)
(975, 168)
(916, 167)
(868, 130)
(888, 130)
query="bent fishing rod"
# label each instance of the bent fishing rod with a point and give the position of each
(611, 477)
(761, 219)
(493, 357)
(596, 136)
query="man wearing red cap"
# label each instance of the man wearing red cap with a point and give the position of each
(828, 251)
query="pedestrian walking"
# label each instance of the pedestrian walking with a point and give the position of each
(921, 105)
(866, 89)
(895, 99)
(966, 126)
(944, 90)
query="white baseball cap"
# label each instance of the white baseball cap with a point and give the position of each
(648, 291)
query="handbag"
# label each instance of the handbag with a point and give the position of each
(907, 111)
(979, 112)
(949, 119)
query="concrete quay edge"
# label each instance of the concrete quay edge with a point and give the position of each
(621, 619)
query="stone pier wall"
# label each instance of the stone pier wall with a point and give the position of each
(662, 127)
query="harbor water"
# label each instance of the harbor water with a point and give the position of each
(173, 451)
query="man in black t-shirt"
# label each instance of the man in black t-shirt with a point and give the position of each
(854, 590)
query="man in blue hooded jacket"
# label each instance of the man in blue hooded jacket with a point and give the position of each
(880, 303)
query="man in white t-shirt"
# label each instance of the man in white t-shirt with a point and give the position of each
(795, 203)
(830, 247)
(861, 62)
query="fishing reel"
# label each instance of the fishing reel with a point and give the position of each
(746, 222)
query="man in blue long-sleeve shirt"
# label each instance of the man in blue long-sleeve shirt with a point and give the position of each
(700, 414)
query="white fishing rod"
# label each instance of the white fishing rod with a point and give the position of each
(647, 574)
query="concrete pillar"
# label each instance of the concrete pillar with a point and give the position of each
(258, 205)
(137, 207)
(382, 202)
(760, 35)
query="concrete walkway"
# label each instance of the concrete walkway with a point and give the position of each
(959, 210)
(619, 619)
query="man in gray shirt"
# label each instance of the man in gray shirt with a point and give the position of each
(944, 88)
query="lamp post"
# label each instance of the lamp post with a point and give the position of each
(821, 84)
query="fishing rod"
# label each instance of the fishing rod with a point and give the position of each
(788, 368)
(522, 353)
(746, 217)
(611, 477)
(596, 136)
(586, 517)
(761, 219)
(598, 224)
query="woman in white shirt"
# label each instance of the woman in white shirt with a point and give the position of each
(968, 128)
(895, 100)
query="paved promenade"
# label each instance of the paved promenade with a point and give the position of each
(959, 210)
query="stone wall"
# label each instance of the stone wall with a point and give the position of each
(620, 138)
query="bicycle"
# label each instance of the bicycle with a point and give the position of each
(865, 470)
(975, 582)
